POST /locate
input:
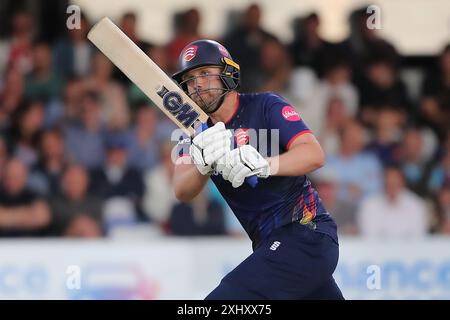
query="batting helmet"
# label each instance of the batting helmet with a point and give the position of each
(203, 53)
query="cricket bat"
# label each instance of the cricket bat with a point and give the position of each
(153, 81)
(146, 74)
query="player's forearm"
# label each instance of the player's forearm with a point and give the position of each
(301, 159)
(188, 182)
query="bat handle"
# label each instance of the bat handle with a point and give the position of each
(252, 180)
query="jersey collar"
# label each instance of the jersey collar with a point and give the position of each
(236, 108)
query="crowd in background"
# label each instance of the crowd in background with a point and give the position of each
(84, 152)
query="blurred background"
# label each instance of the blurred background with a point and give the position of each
(87, 209)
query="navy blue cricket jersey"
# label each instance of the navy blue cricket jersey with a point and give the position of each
(275, 201)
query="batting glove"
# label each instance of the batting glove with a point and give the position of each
(209, 146)
(243, 162)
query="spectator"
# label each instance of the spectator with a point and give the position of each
(440, 172)
(73, 54)
(73, 98)
(443, 206)
(201, 217)
(336, 119)
(75, 212)
(275, 67)
(336, 83)
(358, 172)
(395, 213)
(245, 43)
(112, 95)
(25, 132)
(364, 43)
(343, 212)
(413, 164)
(435, 105)
(84, 140)
(308, 48)
(387, 137)
(159, 197)
(120, 186)
(186, 31)
(143, 144)
(302, 84)
(128, 23)
(43, 82)
(382, 86)
(3, 154)
(18, 47)
(11, 96)
(45, 175)
(232, 225)
(22, 213)
(158, 54)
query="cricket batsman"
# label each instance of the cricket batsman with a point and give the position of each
(294, 239)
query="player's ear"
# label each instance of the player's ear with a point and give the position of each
(230, 74)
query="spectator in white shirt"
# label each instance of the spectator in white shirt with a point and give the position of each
(159, 197)
(336, 84)
(395, 213)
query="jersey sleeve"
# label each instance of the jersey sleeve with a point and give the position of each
(281, 115)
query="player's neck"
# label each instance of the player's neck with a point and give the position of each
(227, 109)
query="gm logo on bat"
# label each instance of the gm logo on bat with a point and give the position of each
(173, 102)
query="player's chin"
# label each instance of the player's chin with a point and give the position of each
(199, 101)
(206, 96)
(203, 99)
(209, 107)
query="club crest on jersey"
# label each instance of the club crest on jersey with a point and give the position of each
(241, 136)
(290, 114)
(190, 53)
(173, 102)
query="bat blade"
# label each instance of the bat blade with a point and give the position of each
(146, 74)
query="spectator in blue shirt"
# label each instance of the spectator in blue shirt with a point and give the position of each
(143, 146)
(120, 186)
(84, 140)
(359, 173)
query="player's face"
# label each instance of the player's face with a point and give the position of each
(204, 86)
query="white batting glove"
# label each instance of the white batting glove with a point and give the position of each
(209, 146)
(243, 162)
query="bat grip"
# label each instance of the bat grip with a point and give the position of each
(252, 181)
